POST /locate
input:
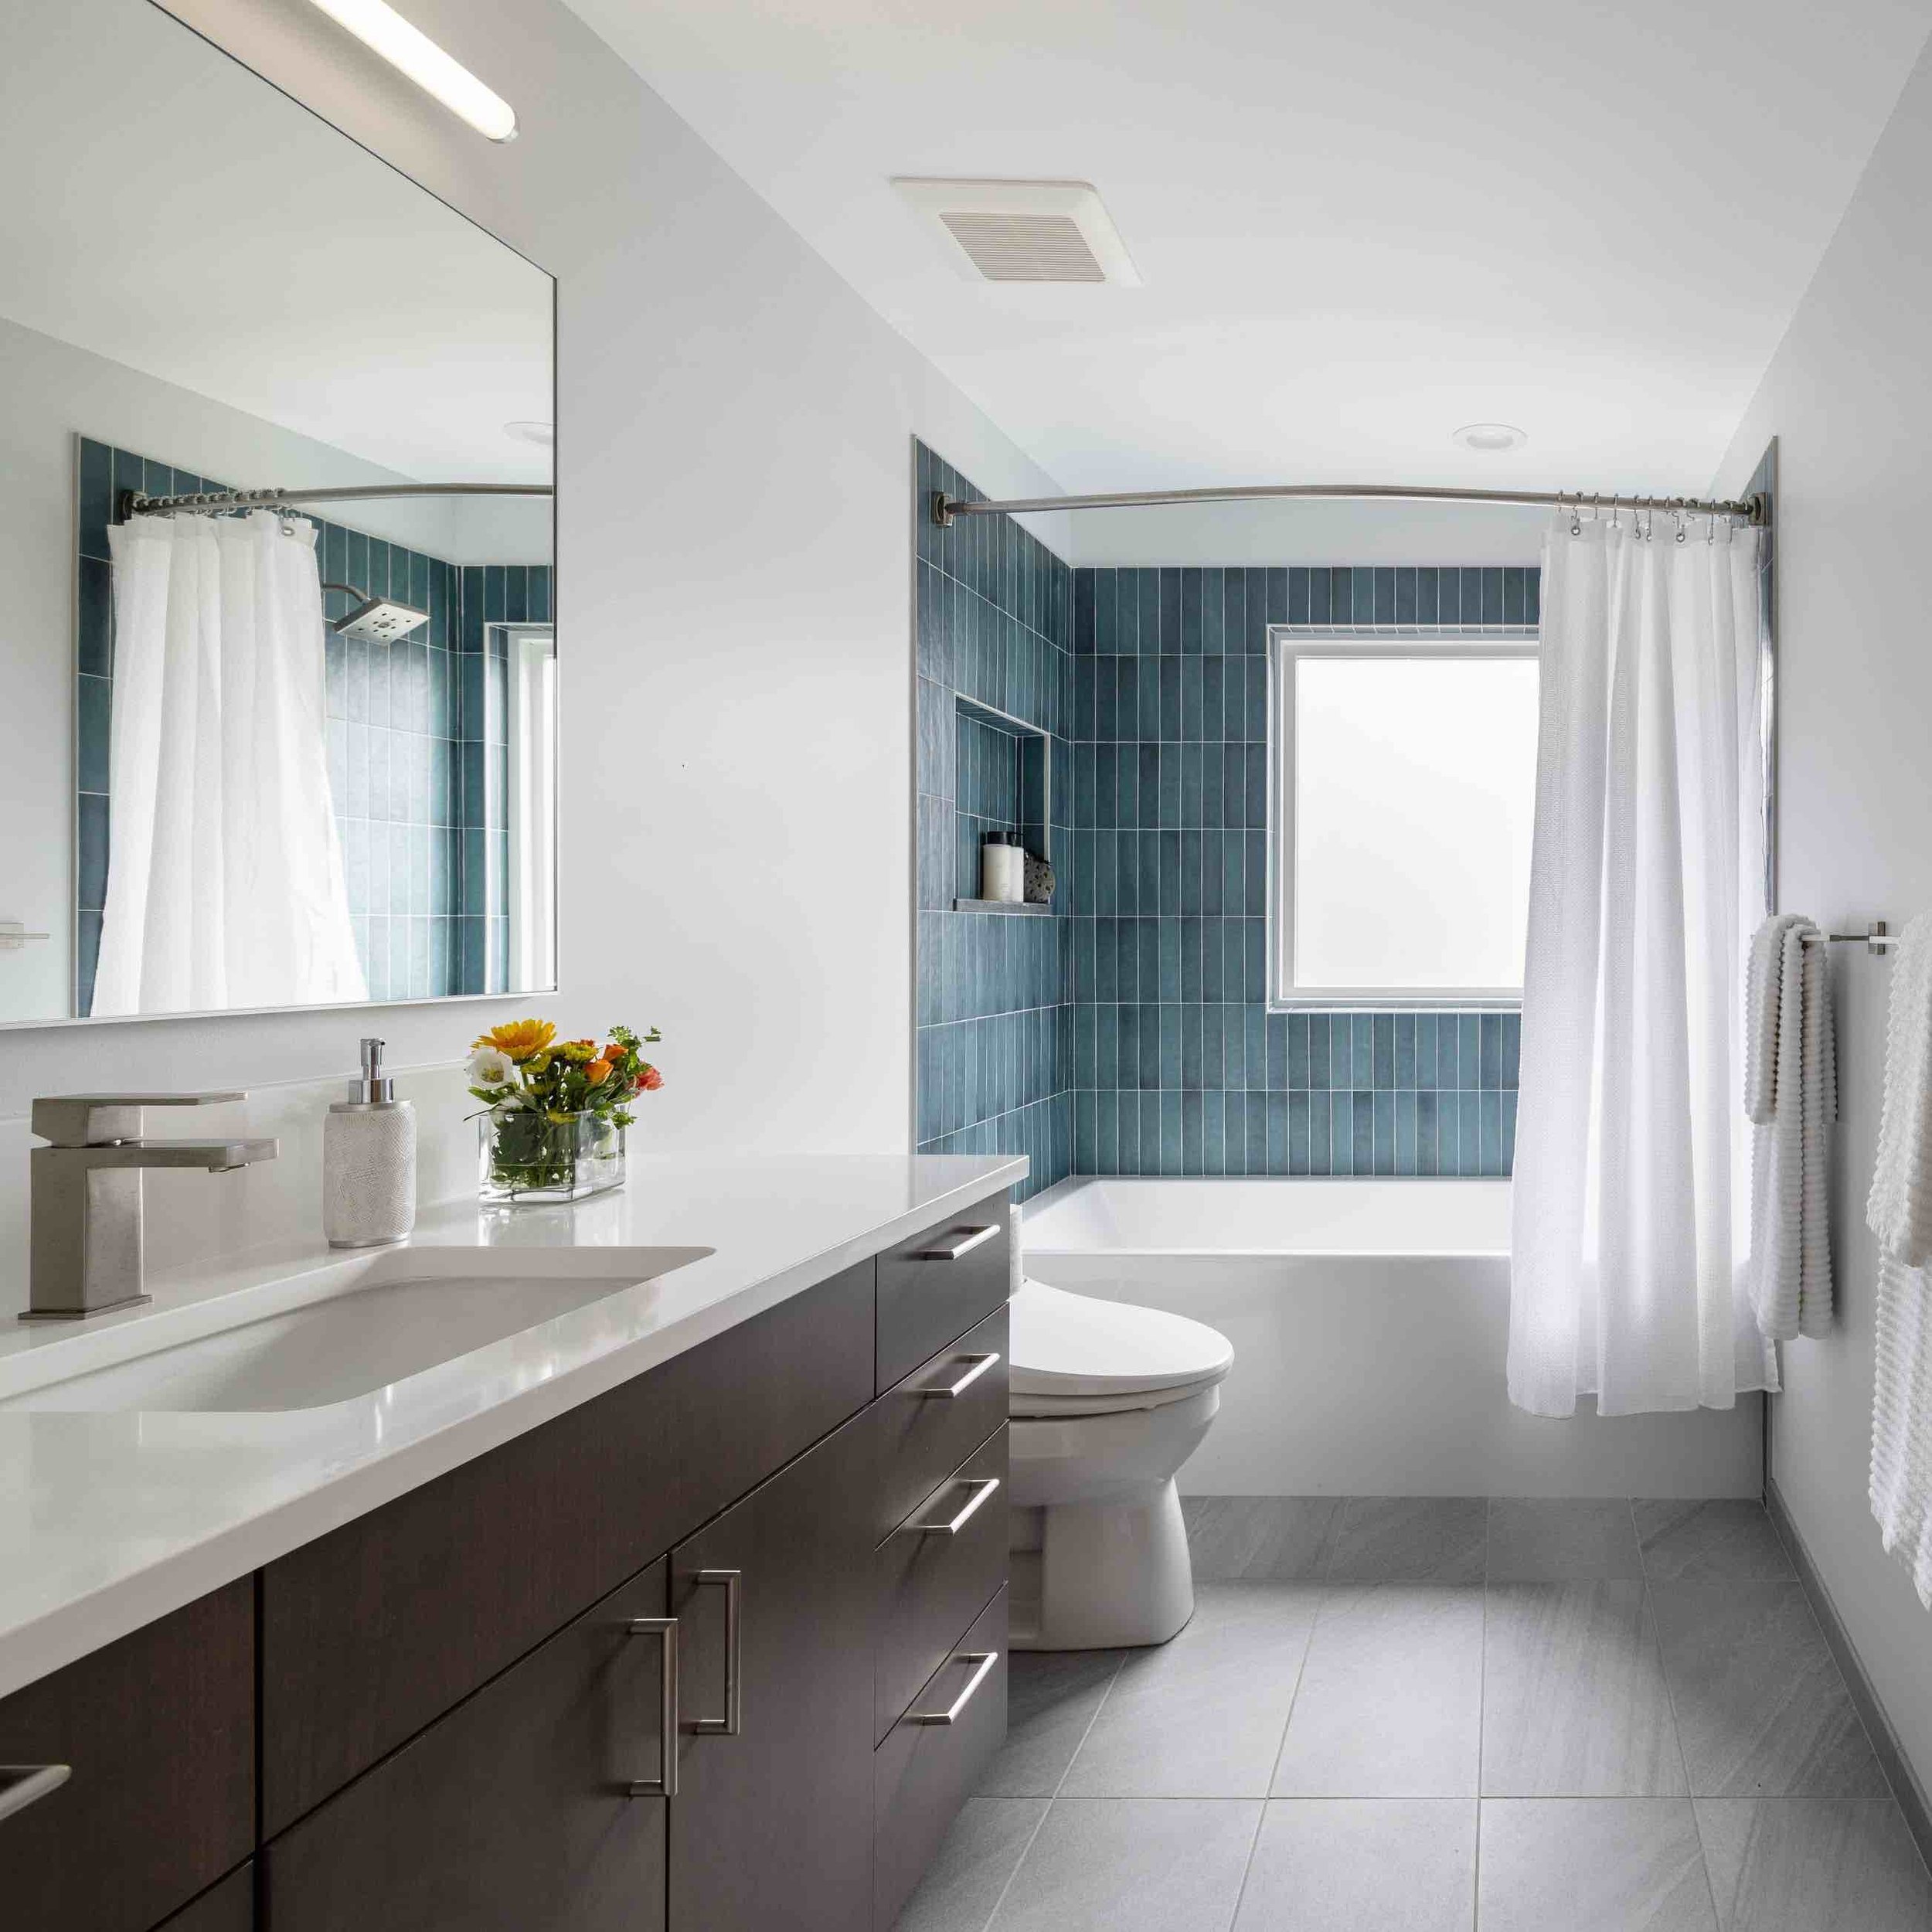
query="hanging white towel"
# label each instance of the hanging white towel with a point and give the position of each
(1899, 1211)
(1790, 1093)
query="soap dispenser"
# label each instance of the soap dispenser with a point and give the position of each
(369, 1161)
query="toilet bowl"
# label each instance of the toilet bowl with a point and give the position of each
(1108, 1399)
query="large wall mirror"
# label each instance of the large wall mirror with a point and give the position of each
(298, 751)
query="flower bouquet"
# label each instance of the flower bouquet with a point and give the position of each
(555, 1110)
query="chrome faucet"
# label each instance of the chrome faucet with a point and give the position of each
(86, 1215)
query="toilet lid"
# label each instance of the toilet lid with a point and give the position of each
(1076, 1345)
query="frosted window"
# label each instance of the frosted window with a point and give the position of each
(1411, 788)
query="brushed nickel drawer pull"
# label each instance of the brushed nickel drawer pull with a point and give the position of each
(982, 1488)
(964, 1241)
(983, 1660)
(29, 1784)
(733, 1581)
(947, 1391)
(666, 1785)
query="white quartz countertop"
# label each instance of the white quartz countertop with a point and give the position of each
(109, 1520)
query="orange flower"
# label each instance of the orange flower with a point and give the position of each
(597, 1073)
(520, 1039)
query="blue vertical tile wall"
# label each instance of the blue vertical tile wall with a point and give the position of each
(1179, 1066)
(417, 744)
(994, 1062)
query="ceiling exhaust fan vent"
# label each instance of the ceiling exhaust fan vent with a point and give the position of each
(1024, 231)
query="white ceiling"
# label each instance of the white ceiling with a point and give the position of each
(167, 209)
(1360, 225)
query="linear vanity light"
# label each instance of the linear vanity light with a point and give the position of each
(382, 28)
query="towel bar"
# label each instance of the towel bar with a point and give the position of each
(1874, 939)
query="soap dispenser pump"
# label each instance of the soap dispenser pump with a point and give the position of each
(369, 1161)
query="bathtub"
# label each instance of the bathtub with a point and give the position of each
(1369, 1320)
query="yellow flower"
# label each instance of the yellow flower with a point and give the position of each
(578, 1052)
(520, 1039)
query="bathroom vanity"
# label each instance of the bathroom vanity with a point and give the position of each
(719, 1641)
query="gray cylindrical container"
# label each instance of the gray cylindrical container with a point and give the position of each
(369, 1161)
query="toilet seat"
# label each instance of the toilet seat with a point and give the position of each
(1074, 1355)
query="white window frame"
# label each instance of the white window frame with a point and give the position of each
(531, 894)
(1285, 649)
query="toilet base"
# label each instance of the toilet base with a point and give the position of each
(1107, 1575)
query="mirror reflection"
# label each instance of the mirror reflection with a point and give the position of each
(278, 640)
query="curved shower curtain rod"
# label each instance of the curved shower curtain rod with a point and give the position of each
(1751, 509)
(138, 503)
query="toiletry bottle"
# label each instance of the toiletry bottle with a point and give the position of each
(992, 866)
(1013, 877)
(369, 1161)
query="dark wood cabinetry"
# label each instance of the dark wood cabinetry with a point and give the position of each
(514, 1813)
(771, 1824)
(158, 1730)
(368, 1635)
(459, 1702)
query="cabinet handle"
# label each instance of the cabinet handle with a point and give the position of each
(733, 1583)
(24, 1784)
(982, 1488)
(666, 1785)
(983, 1660)
(964, 1241)
(945, 1393)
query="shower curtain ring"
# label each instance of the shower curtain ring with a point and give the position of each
(1680, 525)
(1576, 515)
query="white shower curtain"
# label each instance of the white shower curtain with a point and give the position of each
(1631, 1197)
(225, 882)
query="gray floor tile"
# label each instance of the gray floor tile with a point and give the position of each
(1132, 1865)
(1592, 1865)
(1411, 1540)
(1347, 1864)
(1574, 1703)
(975, 1860)
(1391, 1704)
(1051, 1698)
(1761, 1710)
(1555, 1539)
(1696, 1541)
(1813, 1865)
(1201, 1717)
(1277, 1537)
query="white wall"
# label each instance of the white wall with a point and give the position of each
(734, 570)
(1310, 531)
(1848, 395)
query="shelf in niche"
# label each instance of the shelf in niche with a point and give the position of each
(1032, 809)
(1026, 908)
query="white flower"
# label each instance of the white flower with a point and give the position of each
(490, 1068)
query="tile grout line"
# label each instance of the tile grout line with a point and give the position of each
(1676, 1729)
(1052, 1796)
(1482, 1716)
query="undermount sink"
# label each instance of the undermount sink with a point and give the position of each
(374, 1321)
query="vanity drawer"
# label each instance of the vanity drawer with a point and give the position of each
(929, 1584)
(515, 1812)
(375, 1630)
(229, 1906)
(926, 1300)
(923, 1772)
(924, 1432)
(159, 1731)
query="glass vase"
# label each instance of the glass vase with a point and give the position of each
(528, 1156)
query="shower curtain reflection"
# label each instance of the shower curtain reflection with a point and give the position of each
(225, 878)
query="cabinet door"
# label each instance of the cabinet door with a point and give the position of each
(158, 1731)
(771, 1824)
(514, 1813)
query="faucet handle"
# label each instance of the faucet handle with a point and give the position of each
(93, 1120)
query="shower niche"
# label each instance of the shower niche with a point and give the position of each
(1003, 782)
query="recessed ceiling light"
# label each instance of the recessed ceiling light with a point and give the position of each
(542, 434)
(1490, 438)
(379, 25)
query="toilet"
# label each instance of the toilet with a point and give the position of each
(1108, 1400)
